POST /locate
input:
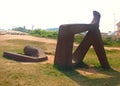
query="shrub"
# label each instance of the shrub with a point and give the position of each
(44, 33)
(108, 41)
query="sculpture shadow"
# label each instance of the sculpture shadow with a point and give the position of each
(108, 77)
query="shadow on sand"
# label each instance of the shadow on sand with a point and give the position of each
(91, 76)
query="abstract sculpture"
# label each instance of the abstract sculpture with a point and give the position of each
(31, 54)
(34, 51)
(63, 54)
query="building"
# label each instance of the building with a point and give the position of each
(118, 29)
(118, 25)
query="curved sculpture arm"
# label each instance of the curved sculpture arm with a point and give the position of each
(96, 18)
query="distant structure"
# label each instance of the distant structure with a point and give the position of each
(118, 25)
(118, 29)
(12, 32)
(52, 29)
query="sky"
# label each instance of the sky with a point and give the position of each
(52, 13)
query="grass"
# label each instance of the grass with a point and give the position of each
(13, 73)
(18, 45)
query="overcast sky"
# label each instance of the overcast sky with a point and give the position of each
(52, 13)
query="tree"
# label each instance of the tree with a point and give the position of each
(22, 29)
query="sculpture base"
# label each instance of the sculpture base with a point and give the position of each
(23, 58)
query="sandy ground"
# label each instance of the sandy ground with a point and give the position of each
(28, 37)
(50, 57)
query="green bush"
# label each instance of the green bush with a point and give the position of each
(78, 38)
(22, 29)
(111, 41)
(108, 41)
(44, 33)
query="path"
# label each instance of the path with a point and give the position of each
(28, 37)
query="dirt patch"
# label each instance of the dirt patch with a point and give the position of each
(26, 37)
(46, 40)
(31, 38)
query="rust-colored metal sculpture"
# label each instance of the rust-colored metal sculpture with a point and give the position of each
(31, 54)
(23, 58)
(63, 54)
(34, 51)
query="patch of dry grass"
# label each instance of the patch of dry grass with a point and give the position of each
(13, 73)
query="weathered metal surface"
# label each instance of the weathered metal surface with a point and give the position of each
(31, 54)
(63, 54)
(23, 58)
(33, 51)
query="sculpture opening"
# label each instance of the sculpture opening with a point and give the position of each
(63, 54)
